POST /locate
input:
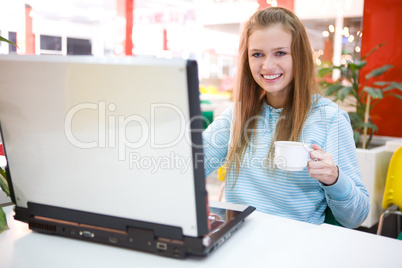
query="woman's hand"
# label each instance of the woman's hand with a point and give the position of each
(322, 167)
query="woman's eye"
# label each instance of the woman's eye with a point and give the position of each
(280, 53)
(257, 55)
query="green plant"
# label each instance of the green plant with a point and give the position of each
(6, 190)
(7, 41)
(3, 174)
(365, 94)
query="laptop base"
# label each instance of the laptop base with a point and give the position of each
(138, 238)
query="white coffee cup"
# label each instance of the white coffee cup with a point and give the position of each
(291, 155)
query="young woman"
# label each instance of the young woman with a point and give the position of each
(276, 98)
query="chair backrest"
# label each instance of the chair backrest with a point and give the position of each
(330, 218)
(393, 184)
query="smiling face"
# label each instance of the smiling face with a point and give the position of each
(270, 61)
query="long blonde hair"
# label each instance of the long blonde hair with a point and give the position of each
(249, 96)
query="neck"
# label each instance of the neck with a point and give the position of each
(275, 101)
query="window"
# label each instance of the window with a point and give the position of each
(48, 42)
(78, 46)
(12, 36)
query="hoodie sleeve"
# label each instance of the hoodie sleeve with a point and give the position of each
(348, 197)
(216, 141)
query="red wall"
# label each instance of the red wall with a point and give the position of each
(129, 26)
(125, 9)
(382, 22)
(29, 36)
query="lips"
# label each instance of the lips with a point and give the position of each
(271, 76)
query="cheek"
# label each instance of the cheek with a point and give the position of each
(253, 67)
(290, 67)
(291, 72)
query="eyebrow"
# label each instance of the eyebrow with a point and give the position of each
(275, 49)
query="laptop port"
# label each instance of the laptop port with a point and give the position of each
(161, 246)
(86, 234)
(113, 240)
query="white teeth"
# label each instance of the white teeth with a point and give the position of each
(270, 77)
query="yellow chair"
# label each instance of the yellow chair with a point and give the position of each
(221, 177)
(392, 200)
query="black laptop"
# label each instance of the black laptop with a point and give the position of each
(109, 150)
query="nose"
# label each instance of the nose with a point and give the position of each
(268, 64)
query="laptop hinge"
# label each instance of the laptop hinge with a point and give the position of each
(22, 214)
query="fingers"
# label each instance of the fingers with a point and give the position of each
(320, 160)
(316, 147)
(318, 153)
(327, 176)
(323, 168)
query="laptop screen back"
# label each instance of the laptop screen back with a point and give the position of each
(107, 136)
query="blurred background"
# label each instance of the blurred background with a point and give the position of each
(204, 30)
(208, 31)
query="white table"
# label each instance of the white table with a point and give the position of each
(263, 241)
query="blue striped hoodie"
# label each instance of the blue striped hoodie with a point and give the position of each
(293, 194)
